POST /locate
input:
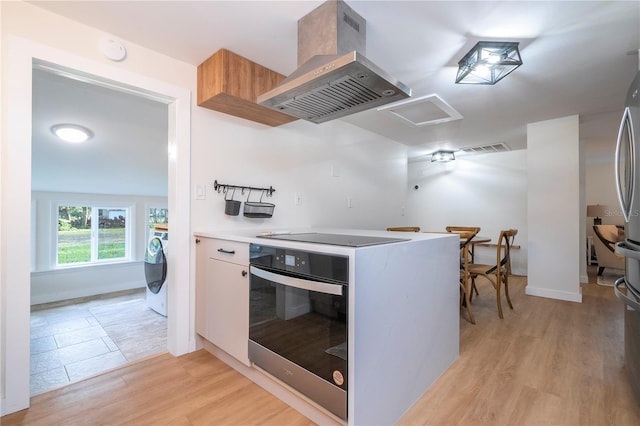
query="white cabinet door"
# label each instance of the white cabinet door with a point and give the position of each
(204, 246)
(222, 295)
(227, 313)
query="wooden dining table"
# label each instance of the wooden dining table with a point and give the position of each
(478, 239)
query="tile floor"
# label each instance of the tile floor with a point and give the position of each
(75, 341)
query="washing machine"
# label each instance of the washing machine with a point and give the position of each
(155, 270)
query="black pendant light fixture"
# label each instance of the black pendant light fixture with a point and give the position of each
(488, 62)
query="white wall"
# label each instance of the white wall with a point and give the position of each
(554, 204)
(49, 284)
(70, 283)
(29, 32)
(297, 158)
(600, 188)
(489, 191)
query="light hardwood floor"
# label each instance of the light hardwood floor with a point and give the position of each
(194, 389)
(547, 363)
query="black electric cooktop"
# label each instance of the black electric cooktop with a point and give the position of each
(334, 239)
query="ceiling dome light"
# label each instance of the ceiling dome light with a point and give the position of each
(71, 132)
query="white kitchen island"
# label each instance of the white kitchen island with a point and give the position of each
(403, 320)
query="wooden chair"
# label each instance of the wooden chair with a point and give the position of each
(498, 274)
(466, 234)
(405, 228)
(463, 229)
(458, 229)
(474, 230)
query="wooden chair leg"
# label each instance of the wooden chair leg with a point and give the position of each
(464, 299)
(466, 284)
(497, 285)
(473, 288)
(506, 291)
(468, 303)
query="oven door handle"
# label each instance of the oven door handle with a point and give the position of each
(335, 289)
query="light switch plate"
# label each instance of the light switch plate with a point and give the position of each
(201, 192)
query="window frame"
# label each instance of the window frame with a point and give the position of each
(95, 207)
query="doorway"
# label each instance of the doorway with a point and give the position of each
(90, 203)
(16, 229)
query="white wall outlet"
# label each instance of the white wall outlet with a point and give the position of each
(402, 211)
(297, 199)
(201, 192)
(349, 201)
(335, 170)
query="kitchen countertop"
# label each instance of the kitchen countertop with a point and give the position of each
(251, 236)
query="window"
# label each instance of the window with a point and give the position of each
(92, 234)
(158, 216)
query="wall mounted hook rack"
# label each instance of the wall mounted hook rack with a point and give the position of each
(223, 187)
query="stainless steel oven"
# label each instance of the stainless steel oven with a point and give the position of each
(298, 312)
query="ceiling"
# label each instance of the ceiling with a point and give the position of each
(579, 57)
(128, 153)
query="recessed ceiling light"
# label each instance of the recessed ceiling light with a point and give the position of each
(71, 132)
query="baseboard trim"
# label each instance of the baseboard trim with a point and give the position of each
(77, 300)
(554, 294)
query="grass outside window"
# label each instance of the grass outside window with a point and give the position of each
(75, 246)
(88, 234)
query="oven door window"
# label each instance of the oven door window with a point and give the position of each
(305, 327)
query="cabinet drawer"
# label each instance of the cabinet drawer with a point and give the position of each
(229, 251)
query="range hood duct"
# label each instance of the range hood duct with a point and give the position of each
(334, 78)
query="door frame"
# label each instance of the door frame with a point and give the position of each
(15, 202)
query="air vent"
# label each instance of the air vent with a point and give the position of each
(423, 111)
(351, 22)
(486, 149)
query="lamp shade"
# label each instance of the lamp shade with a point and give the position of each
(488, 62)
(596, 210)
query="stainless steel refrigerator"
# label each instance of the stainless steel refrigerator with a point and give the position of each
(627, 288)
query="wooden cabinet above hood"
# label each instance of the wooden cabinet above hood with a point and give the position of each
(231, 84)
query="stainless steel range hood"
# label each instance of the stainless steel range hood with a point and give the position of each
(334, 78)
